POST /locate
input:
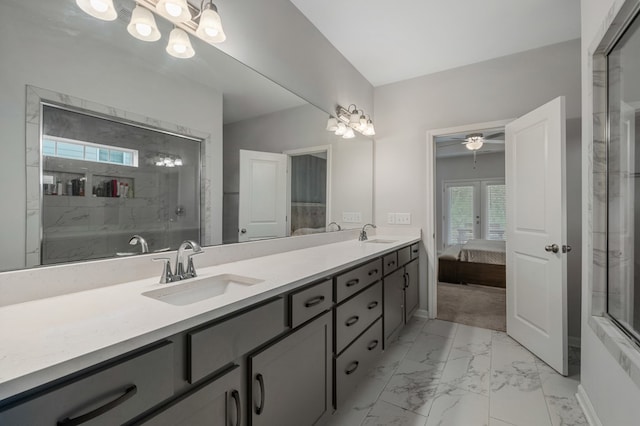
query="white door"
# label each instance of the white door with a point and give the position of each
(263, 195)
(536, 233)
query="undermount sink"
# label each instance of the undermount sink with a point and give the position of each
(381, 241)
(198, 289)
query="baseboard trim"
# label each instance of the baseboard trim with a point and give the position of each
(421, 313)
(587, 407)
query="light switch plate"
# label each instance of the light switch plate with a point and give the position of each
(351, 217)
(391, 218)
(403, 218)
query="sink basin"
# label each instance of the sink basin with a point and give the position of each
(380, 241)
(198, 289)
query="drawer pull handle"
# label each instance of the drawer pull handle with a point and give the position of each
(128, 393)
(372, 345)
(349, 322)
(373, 272)
(372, 304)
(260, 408)
(352, 282)
(313, 302)
(415, 250)
(352, 368)
(236, 397)
(393, 262)
(406, 280)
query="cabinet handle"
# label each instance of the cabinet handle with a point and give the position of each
(372, 345)
(393, 262)
(313, 302)
(236, 397)
(260, 408)
(351, 368)
(406, 280)
(128, 393)
(352, 282)
(372, 304)
(373, 272)
(349, 322)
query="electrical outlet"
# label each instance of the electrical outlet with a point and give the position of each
(351, 217)
(403, 218)
(391, 218)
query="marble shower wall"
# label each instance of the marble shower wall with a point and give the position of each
(89, 227)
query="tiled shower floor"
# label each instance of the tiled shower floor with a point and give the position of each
(442, 373)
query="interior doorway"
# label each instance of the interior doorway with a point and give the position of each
(468, 248)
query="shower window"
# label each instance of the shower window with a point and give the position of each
(623, 185)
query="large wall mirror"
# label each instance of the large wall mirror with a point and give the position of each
(257, 153)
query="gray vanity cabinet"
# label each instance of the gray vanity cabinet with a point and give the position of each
(394, 285)
(218, 401)
(290, 380)
(411, 289)
(109, 395)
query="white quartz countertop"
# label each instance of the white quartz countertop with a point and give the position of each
(43, 340)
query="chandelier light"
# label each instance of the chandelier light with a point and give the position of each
(474, 141)
(187, 19)
(349, 119)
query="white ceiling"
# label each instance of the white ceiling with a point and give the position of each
(389, 41)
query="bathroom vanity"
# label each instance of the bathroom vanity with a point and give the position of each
(285, 344)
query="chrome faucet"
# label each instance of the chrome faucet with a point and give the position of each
(334, 223)
(363, 233)
(181, 258)
(143, 243)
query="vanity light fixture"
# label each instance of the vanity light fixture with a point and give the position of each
(179, 44)
(166, 160)
(101, 9)
(348, 120)
(176, 11)
(204, 23)
(143, 25)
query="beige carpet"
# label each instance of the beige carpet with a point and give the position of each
(476, 305)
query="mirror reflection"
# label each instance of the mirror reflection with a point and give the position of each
(210, 100)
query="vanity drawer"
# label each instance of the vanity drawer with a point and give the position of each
(355, 280)
(390, 263)
(404, 255)
(355, 315)
(111, 396)
(353, 365)
(310, 302)
(216, 345)
(415, 250)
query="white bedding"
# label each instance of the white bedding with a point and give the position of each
(484, 251)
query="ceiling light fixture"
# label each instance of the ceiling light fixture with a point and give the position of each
(204, 23)
(349, 119)
(101, 9)
(474, 141)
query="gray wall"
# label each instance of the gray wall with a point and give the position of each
(493, 90)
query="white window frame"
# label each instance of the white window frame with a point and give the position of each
(84, 144)
(480, 208)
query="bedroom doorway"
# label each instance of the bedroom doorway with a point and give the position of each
(470, 223)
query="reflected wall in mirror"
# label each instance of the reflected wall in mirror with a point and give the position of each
(97, 66)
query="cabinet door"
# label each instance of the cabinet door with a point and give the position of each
(291, 379)
(393, 304)
(411, 291)
(216, 402)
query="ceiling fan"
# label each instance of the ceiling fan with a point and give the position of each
(473, 141)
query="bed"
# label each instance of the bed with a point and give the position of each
(476, 262)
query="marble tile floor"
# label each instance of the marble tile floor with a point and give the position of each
(447, 374)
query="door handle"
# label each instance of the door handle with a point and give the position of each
(243, 231)
(552, 248)
(566, 249)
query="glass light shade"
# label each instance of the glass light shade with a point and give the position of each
(143, 25)
(178, 161)
(210, 25)
(332, 124)
(363, 123)
(370, 130)
(101, 9)
(349, 134)
(179, 44)
(342, 128)
(474, 144)
(354, 120)
(174, 10)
